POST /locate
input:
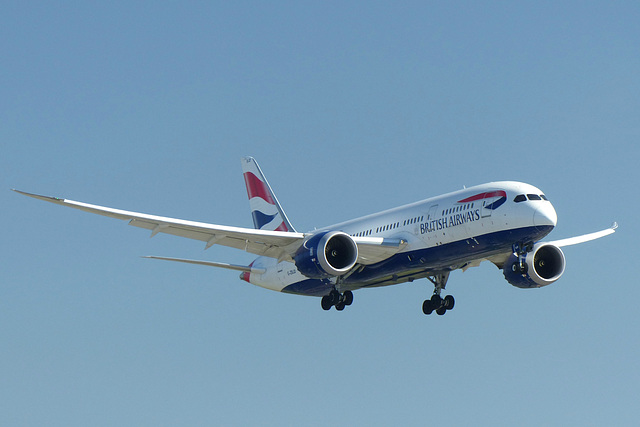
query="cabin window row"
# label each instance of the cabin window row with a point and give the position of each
(413, 220)
(390, 226)
(458, 208)
(387, 227)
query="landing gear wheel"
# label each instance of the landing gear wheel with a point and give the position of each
(449, 302)
(441, 311)
(340, 301)
(520, 268)
(348, 297)
(436, 301)
(335, 297)
(427, 307)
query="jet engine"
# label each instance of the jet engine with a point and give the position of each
(326, 254)
(541, 267)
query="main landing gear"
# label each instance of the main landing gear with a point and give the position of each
(335, 298)
(437, 303)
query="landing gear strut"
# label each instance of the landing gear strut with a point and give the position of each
(437, 303)
(335, 298)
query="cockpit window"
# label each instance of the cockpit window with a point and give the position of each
(523, 198)
(520, 198)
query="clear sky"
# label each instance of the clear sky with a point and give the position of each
(350, 108)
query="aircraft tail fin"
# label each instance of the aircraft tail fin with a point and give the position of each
(265, 208)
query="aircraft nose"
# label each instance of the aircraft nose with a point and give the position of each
(545, 215)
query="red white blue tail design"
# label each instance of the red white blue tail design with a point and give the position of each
(265, 208)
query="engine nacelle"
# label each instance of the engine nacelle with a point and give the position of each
(543, 266)
(326, 254)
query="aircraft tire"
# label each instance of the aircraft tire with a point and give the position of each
(340, 306)
(427, 307)
(436, 301)
(441, 311)
(327, 303)
(348, 298)
(519, 268)
(449, 302)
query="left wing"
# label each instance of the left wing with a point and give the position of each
(281, 245)
(275, 244)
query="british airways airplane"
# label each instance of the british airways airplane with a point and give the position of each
(500, 222)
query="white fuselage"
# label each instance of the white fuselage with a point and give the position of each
(442, 233)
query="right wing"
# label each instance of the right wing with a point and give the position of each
(586, 237)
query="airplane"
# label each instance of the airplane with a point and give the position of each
(500, 222)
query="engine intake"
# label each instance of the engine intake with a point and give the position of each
(326, 254)
(543, 266)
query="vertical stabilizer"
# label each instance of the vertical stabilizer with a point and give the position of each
(265, 208)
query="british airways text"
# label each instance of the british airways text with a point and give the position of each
(451, 221)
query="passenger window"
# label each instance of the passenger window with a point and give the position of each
(533, 197)
(520, 198)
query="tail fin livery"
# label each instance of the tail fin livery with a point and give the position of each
(265, 208)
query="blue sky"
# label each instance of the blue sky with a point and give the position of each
(350, 109)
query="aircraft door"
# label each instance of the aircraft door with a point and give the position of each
(426, 228)
(485, 210)
(488, 204)
(492, 201)
(432, 213)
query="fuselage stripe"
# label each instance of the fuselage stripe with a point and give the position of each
(481, 196)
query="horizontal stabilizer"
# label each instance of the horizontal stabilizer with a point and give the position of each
(212, 264)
